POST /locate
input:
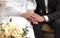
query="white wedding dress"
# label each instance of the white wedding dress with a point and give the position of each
(21, 23)
(13, 9)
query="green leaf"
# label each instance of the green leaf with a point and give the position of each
(12, 36)
(1, 24)
(25, 31)
(10, 20)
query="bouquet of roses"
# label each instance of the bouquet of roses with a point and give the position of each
(10, 30)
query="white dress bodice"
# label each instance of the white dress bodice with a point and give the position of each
(17, 7)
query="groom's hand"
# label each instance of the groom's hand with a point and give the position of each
(38, 17)
(33, 21)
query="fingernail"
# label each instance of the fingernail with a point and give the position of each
(35, 23)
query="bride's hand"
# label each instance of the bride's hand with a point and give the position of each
(26, 15)
(29, 16)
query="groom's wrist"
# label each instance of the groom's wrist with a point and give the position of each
(46, 18)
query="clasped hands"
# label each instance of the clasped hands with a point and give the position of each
(33, 17)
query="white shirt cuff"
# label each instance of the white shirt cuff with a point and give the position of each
(46, 18)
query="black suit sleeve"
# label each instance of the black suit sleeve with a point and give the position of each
(56, 14)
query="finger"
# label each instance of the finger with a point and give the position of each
(35, 15)
(33, 21)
